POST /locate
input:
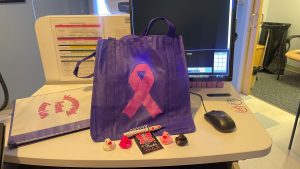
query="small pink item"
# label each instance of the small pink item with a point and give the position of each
(166, 138)
(125, 143)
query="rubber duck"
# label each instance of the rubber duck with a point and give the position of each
(125, 142)
(181, 140)
(108, 145)
(166, 138)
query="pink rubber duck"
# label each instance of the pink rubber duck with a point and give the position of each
(166, 138)
(125, 143)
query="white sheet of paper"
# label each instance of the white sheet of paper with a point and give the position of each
(30, 115)
(74, 39)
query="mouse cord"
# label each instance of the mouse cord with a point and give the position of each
(201, 100)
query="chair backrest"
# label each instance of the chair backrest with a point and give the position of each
(288, 41)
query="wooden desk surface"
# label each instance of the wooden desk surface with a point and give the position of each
(206, 145)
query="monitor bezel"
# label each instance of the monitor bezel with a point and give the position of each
(231, 50)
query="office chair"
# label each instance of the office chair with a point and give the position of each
(295, 126)
(293, 54)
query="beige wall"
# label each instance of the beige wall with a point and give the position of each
(20, 62)
(285, 11)
(265, 8)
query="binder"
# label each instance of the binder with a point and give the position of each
(50, 115)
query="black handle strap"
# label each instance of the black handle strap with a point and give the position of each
(75, 72)
(171, 26)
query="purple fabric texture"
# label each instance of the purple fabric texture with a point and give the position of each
(44, 134)
(158, 92)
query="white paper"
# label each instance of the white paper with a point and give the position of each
(50, 110)
(76, 39)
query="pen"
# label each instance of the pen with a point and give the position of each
(134, 132)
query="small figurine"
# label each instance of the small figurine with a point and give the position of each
(125, 143)
(166, 138)
(108, 145)
(181, 140)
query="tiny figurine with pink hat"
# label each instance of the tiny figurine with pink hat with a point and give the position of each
(166, 138)
(108, 145)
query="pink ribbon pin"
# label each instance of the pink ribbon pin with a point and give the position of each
(141, 88)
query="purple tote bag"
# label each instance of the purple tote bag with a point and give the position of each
(138, 81)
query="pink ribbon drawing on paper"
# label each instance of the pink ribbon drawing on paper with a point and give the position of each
(141, 87)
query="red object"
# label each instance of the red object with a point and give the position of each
(125, 143)
(145, 138)
(240, 109)
(42, 110)
(75, 104)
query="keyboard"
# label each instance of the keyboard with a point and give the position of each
(207, 84)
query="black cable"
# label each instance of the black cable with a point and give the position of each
(201, 100)
(6, 96)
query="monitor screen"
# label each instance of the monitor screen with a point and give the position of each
(207, 27)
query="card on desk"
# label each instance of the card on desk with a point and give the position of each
(44, 116)
(147, 142)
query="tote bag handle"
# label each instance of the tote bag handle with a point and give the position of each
(75, 72)
(171, 26)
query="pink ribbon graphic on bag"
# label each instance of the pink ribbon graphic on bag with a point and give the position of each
(141, 87)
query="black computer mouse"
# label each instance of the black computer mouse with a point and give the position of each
(220, 120)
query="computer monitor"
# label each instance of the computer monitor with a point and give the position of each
(207, 27)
